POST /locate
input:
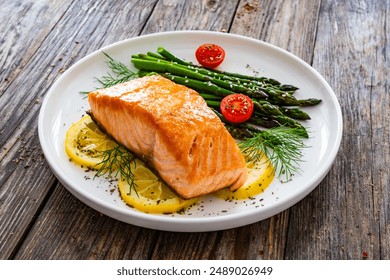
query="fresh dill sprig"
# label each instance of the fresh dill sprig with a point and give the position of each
(118, 161)
(120, 74)
(282, 145)
(121, 71)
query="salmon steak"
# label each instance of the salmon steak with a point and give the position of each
(171, 128)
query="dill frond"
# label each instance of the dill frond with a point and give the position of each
(120, 74)
(117, 161)
(282, 146)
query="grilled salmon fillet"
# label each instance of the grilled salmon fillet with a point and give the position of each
(171, 128)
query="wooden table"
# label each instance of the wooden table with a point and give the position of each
(346, 217)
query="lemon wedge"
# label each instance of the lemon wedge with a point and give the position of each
(85, 141)
(260, 175)
(150, 194)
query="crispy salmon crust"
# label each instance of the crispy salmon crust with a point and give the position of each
(171, 128)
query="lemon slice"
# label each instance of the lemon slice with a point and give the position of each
(84, 141)
(260, 175)
(151, 195)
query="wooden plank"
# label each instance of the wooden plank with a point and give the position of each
(83, 28)
(184, 246)
(191, 15)
(378, 84)
(342, 218)
(261, 240)
(68, 229)
(24, 26)
(249, 242)
(291, 24)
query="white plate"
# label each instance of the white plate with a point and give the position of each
(64, 105)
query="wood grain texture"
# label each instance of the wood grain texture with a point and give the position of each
(291, 25)
(344, 222)
(171, 15)
(346, 215)
(76, 231)
(22, 164)
(25, 24)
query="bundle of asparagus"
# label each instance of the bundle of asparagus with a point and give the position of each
(272, 100)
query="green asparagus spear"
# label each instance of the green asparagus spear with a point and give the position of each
(309, 102)
(250, 88)
(162, 51)
(208, 96)
(256, 84)
(154, 65)
(295, 113)
(200, 86)
(213, 103)
(266, 108)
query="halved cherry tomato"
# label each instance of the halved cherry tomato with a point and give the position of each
(210, 55)
(236, 108)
